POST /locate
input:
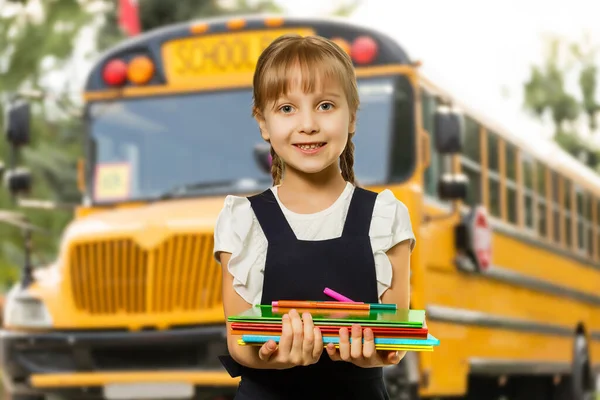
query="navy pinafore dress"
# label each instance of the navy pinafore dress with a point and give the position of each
(300, 270)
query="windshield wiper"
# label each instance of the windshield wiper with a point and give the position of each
(239, 184)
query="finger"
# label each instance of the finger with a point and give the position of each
(285, 342)
(344, 344)
(298, 334)
(369, 343)
(393, 357)
(356, 345)
(318, 344)
(308, 344)
(267, 350)
(332, 352)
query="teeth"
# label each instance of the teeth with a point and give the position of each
(310, 146)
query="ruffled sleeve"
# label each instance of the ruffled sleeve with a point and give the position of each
(390, 225)
(238, 232)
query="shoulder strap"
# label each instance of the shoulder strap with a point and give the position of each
(360, 213)
(270, 217)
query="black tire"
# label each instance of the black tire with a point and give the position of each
(582, 383)
(398, 384)
(25, 397)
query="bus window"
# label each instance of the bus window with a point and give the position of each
(471, 161)
(403, 132)
(528, 190)
(581, 204)
(472, 140)
(207, 138)
(543, 201)
(436, 166)
(511, 181)
(493, 173)
(588, 203)
(567, 215)
(555, 182)
(596, 203)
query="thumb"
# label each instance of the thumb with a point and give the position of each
(267, 350)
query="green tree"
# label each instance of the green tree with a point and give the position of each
(586, 55)
(37, 42)
(346, 9)
(546, 94)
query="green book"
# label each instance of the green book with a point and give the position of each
(397, 318)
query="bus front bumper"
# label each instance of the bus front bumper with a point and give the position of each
(103, 364)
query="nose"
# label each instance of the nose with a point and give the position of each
(308, 123)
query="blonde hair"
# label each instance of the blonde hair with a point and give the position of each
(320, 60)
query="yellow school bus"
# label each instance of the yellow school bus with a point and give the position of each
(508, 271)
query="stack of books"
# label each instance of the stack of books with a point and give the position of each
(393, 328)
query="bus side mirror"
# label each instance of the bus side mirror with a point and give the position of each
(448, 131)
(17, 132)
(18, 181)
(453, 187)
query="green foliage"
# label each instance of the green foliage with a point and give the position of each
(545, 94)
(579, 149)
(36, 43)
(545, 91)
(346, 9)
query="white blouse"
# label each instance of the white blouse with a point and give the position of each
(238, 232)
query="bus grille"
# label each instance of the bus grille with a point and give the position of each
(118, 276)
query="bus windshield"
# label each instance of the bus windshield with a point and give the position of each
(142, 148)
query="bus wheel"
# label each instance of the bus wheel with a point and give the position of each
(582, 386)
(397, 380)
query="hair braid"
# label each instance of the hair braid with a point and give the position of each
(276, 167)
(347, 160)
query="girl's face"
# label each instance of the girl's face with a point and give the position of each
(308, 131)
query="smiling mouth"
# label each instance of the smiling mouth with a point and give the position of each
(310, 146)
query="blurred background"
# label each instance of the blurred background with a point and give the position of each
(532, 65)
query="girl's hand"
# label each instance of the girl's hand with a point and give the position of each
(362, 355)
(301, 343)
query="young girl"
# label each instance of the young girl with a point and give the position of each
(313, 229)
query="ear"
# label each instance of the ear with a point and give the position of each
(352, 126)
(262, 126)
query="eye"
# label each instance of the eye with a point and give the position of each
(326, 106)
(286, 109)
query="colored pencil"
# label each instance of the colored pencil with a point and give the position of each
(333, 305)
(335, 295)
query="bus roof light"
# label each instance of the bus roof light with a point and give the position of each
(236, 23)
(140, 70)
(197, 28)
(115, 72)
(274, 22)
(364, 50)
(344, 45)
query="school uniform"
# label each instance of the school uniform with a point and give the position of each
(278, 254)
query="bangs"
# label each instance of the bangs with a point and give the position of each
(310, 65)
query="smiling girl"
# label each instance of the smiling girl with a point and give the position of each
(313, 229)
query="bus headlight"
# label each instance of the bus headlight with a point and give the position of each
(27, 312)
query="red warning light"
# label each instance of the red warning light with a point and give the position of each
(115, 73)
(364, 50)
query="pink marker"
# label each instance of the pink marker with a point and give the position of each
(337, 296)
